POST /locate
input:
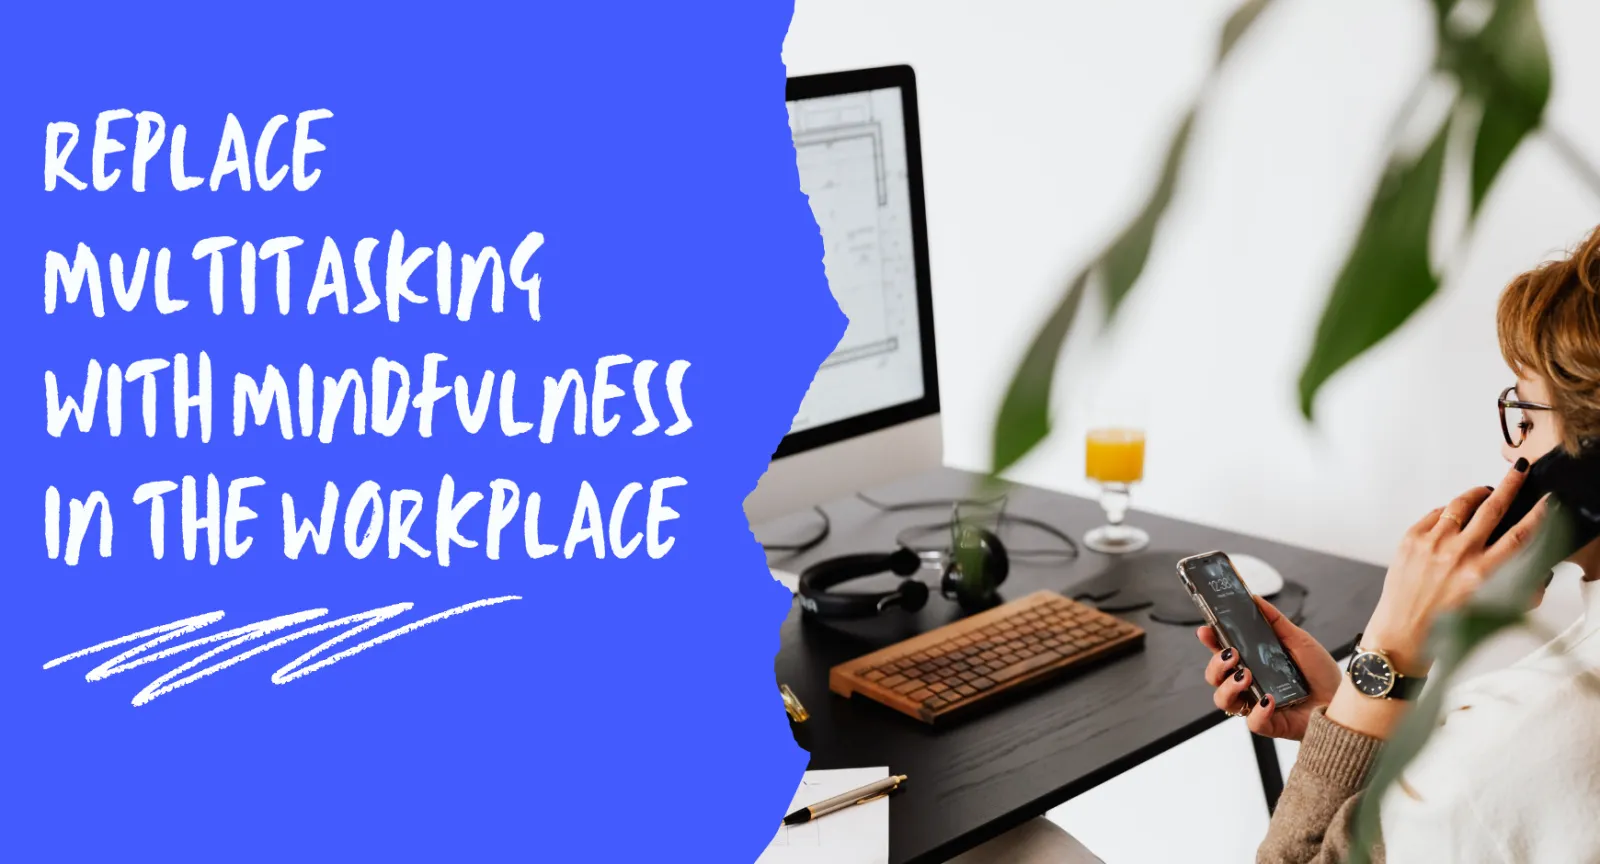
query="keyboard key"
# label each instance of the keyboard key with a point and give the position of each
(892, 680)
(982, 683)
(1038, 661)
(919, 695)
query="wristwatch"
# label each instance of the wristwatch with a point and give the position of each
(1374, 675)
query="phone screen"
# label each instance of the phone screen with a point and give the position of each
(1215, 580)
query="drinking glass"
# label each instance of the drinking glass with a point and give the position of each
(1114, 458)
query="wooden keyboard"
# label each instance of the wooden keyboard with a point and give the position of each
(969, 662)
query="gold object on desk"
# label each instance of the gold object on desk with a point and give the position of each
(791, 704)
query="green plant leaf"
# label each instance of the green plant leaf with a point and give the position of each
(1386, 276)
(1121, 264)
(1238, 24)
(1507, 67)
(1454, 635)
(1024, 418)
(1124, 260)
(1499, 133)
(1406, 742)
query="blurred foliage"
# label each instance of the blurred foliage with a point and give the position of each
(1502, 76)
(1497, 62)
(1490, 56)
(1024, 418)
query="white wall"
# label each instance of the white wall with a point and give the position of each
(1042, 123)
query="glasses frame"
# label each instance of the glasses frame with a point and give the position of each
(1504, 403)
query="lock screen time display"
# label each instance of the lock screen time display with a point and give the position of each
(1242, 623)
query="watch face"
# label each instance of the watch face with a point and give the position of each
(1371, 674)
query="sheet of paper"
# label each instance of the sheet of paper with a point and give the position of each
(854, 835)
(786, 579)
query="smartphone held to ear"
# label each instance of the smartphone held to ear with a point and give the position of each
(1574, 484)
(1231, 610)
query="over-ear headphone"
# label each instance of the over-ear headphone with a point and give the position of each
(975, 568)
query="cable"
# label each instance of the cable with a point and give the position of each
(1070, 550)
(930, 503)
(807, 544)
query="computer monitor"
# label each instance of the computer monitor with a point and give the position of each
(871, 413)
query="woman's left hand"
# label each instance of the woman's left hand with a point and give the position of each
(1442, 561)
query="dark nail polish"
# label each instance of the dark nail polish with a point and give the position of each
(1522, 464)
(1227, 655)
(1265, 700)
(1238, 674)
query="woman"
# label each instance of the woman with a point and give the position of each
(1513, 772)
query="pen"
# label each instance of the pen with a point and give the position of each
(866, 793)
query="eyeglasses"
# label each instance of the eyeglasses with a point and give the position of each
(1514, 423)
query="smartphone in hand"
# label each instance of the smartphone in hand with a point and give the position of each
(1231, 610)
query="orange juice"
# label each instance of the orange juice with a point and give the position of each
(1115, 455)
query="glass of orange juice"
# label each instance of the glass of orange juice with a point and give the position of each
(1114, 458)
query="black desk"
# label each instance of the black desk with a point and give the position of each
(988, 774)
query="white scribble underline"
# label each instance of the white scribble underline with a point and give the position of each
(230, 639)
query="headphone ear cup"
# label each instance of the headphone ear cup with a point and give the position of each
(999, 565)
(903, 561)
(913, 595)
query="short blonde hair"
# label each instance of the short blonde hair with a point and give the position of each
(1549, 324)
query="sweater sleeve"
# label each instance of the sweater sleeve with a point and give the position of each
(1315, 817)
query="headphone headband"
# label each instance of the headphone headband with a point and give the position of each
(823, 575)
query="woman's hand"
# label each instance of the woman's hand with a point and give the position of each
(1441, 562)
(1232, 679)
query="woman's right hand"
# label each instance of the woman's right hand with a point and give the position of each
(1232, 679)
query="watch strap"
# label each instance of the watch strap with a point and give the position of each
(1406, 687)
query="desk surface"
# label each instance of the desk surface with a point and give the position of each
(983, 776)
